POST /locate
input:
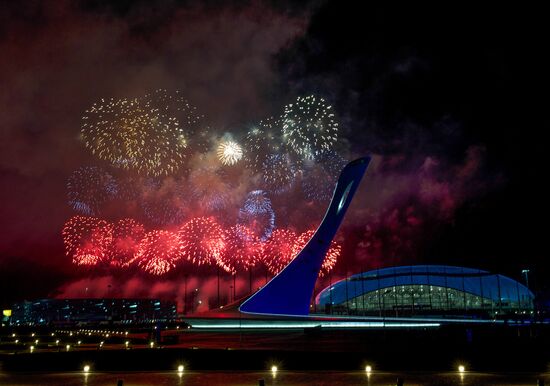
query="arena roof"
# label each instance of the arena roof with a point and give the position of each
(496, 287)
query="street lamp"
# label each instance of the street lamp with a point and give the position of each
(526, 273)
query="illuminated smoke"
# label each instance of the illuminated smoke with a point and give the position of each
(127, 236)
(208, 189)
(165, 203)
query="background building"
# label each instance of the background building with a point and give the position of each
(426, 289)
(45, 311)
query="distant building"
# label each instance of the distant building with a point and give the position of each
(46, 311)
(426, 290)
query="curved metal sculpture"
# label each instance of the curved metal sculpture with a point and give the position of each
(290, 292)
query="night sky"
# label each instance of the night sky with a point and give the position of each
(450, 101)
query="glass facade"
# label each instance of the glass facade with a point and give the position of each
(417, 290)
(427, 298)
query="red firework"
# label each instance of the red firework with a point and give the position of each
(202, 241)
(278, 250)
(330, 258)
(127, 235)
(243, 249)
(87, 239)
(158, 252)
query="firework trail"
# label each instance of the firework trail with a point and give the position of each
(309, 127)
(158, 252)
(87, 240)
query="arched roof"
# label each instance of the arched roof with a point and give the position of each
(474, 281)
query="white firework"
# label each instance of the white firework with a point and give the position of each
(309, 127)
(229, 152)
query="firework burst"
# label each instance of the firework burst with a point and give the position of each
(279, 250)
(309, 127)
(208, 189)
(330, 258)
(202, 241)
(229, 152)
(87, 240)
(278, 173)
(127, 235)
(319, 177)
(158, 252)
(136, 134)
(243, 250)
(261, 140)
(88, 188)
(257, 215)
(165, 203)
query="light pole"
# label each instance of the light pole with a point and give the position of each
(218, 274)
(185, 295)
(526, 273)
